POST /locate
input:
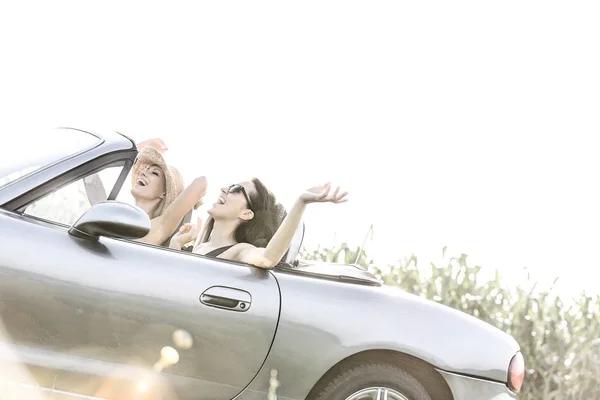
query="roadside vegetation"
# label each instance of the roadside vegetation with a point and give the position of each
(559, 338)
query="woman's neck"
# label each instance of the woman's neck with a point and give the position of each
(222, 233)
(149, 206)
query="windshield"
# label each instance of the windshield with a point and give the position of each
(28, 152)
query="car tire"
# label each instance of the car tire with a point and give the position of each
(348, 383)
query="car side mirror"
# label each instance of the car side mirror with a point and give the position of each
(112, 219)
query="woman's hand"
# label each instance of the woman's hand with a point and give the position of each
(323, 194)
(156, 143)
(185, 234)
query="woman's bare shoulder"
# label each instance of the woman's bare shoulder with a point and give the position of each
(233, 252)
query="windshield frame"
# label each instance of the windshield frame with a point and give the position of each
(70, 174)
(60, 159)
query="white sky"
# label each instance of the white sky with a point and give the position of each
(467, 124)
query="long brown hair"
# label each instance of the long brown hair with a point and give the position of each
(268, 215)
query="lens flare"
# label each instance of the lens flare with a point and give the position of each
(169, 356)
(182, 339)
(143, 387)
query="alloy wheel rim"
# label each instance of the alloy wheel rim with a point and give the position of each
(377, 393)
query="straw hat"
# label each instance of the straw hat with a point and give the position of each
(174, 185)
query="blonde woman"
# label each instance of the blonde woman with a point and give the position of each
(158, 189)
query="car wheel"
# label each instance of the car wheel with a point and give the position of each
(374, 381)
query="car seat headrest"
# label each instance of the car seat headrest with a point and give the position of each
(295, 246)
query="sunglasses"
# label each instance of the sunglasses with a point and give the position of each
(236, 188)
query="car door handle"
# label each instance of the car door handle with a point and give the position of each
(226, 298)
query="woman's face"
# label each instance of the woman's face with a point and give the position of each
(150, 184)
(232, 203)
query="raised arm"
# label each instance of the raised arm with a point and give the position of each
(164, 226)
(94, 188)
(270, 256)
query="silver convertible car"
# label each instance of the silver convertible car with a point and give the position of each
(87, 312)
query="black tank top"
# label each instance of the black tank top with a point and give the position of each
(220, 250)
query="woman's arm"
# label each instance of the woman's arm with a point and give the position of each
(165, 225)
(94, 189)
(271, 255)
(157, 143)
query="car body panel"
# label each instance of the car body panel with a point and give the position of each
(315, 333)
(118, 303)
(469, 388)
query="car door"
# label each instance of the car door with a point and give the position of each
(120, 319)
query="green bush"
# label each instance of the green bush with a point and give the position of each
(560, 340)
